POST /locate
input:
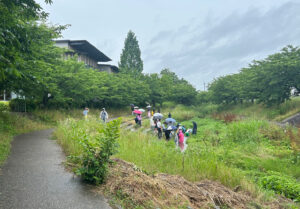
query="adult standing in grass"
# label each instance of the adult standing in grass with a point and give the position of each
(168, 131)
(103, 115)
(132, 108)
(85, 113)
(152, 124)
(194, 132)
(181, 138)
(159, 127)
(149, 111)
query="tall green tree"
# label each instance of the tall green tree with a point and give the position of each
(130, 60)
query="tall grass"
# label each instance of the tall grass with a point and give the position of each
(277, 113)
(239, 153)
(195, 164)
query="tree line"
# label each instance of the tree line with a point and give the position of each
(32, 66)
(268, 81)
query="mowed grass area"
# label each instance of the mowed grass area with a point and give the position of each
(259, 157)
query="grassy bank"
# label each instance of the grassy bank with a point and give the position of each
(247, 153)
(251, 154)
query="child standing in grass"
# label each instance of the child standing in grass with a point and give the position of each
(85, 113)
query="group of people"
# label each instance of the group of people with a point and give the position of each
(103, 114)
(170, 129)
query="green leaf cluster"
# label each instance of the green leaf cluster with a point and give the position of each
(97, 152)
(282, 185)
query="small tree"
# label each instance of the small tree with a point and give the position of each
(130, 60)
(97, 152)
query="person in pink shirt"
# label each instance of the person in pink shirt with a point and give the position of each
(139, 119)
(181, 138)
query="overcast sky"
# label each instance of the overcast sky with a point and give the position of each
(198, 39)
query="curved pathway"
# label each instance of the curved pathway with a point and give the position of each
(34, 178)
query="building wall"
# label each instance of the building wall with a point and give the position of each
(81, 57)
(105, 68)
(87, 60)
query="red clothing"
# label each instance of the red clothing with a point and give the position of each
(181, 137)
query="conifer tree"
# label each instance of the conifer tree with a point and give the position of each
(130, 60)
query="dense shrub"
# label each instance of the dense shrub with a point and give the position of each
(21, 105)
(97, 152)
(282, 185)
(4, 106)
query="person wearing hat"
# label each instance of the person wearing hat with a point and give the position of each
(103, 115)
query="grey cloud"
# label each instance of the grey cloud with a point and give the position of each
(202, 51)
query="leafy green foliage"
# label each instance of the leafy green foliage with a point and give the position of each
(282, 185)
(16, 35)
(22, 105)
(97, 152)
(4, 106)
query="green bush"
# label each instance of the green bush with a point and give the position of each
(4, 106)
(285, 185)
(21, 105)
(97, 152)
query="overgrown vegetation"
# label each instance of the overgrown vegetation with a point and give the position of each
(97, 152)
(237, 153)
(89, 145)
(277, 113)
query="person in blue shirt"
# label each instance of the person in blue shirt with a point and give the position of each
(85, 112)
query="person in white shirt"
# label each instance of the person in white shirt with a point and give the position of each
(159, 127)
(103, 115)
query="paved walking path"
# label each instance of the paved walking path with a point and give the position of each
(34, 178)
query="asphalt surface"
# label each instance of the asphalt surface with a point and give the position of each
(34, 178)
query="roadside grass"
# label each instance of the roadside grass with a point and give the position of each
(12, 124)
